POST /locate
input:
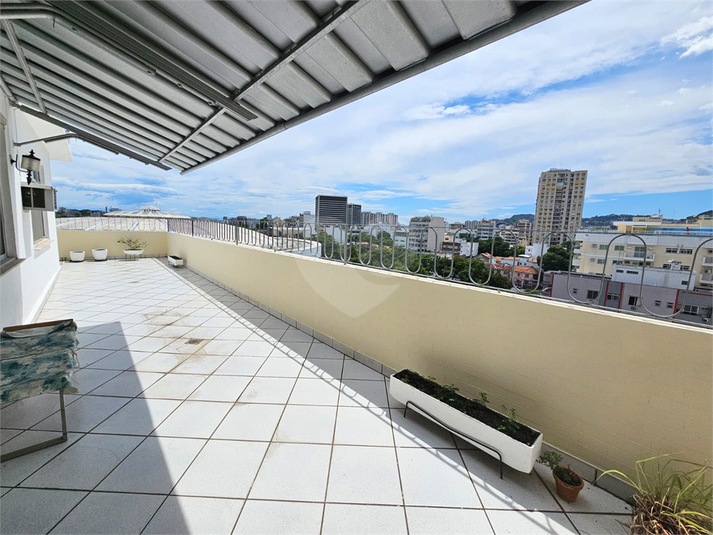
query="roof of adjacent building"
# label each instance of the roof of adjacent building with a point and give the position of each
(182, 84)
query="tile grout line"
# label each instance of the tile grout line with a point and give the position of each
(396, 455)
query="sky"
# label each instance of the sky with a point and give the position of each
(620, 88)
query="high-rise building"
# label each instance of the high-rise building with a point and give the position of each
(560, 196)
(524, 231)
(353, 214)
(330, 209)
(426, 234)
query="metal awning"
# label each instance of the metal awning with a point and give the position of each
(182, 84)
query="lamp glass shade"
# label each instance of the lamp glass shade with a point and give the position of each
(30, 162)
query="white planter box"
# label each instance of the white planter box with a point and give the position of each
(175, 261)
(76, 256)
(515, 454)
(100, 254)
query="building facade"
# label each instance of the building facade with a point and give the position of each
(664, 245)
(330, 210)
(378, 218)
(426, 234)
(354, 214)
(560, 197)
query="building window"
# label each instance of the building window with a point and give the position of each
(667, 266)
(657, 303)
(629, 272)
(602, 247)
(620, 271)
(592, 259)
(633, 301)
(615, 262)
(669, 304)
(618, 247)
(612, 297)
(574, 290)
(672, 250)
(592, 294)
(600, 260)
(639, 252)
(691, 310)
(39, 218)
(685, 251)
(686, 268)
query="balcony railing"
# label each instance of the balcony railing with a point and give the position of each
(372, 246)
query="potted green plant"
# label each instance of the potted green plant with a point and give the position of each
(133, 246)
(567, 481)
(671, 496)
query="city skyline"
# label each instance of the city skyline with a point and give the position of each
(469, 139)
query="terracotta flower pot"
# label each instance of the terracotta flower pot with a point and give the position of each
(567, 492)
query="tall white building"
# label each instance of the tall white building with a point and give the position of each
(560, 196)
(426, 233)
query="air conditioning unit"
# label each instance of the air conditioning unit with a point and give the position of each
(38, 197)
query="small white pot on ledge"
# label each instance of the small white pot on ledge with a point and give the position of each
(100, 254)
(76, 256)
(133, 252)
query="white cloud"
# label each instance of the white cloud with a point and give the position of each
(694, 37)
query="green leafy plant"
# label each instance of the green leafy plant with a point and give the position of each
(672, 496)
(510, 424)
(564, 473)
(133, 243)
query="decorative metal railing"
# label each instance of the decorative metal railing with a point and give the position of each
(413, 250)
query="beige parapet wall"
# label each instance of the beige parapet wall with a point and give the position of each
(605, 387)
(86, 240)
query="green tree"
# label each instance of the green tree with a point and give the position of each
(501, 247)
(556, 259)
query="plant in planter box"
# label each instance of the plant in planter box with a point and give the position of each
(517, 445)
(567, 481)
(133, 244)
(672, 496)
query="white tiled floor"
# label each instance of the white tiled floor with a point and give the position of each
(200, 413)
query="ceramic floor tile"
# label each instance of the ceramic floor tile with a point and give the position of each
(193, 419)
(218, 321)
(279, 367)
(34, 510)
(154, 467)
(357, 370)
(97, 455)
(322, 368)
(221, 388)
(291, 349)
(295, 335)
(274, 323)
(12, 472)
(115, 342)
(150, 344)
(515, 491)
(103, 513)
(87, 357)
(262, 518)
(128, 384)
(240, 366)
(363, 520)
(139, 417)
(84, 414)
(123, 359)
(27, 412)
(184, 514)
(88, 379)
(142, 329)
(204, 333)
(159, 362)
(234, 333)
(358, 393)
(86, 339)
(308, 424)
(534, 523)
(595, 524)
(363, 427)
(364, 474)
(268, 390)
(415, 431)
(203, 364)
(315, 392)
(249, 421)
(254, 349)
(221, 347)
(174, 386)
(224, 468)
(293, 472)
(441, 521)
(420, 467)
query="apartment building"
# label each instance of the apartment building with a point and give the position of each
(330, 209)
(524, 232)
(560, 196)
(426, 233)
(647, 241)
(378, 218)
(354, 214)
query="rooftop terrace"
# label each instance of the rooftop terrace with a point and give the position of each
(201, 413)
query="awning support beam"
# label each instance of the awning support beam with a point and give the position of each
(17, 49)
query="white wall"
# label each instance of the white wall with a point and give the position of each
(23, 284)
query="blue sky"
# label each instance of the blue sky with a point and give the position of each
(620, 88)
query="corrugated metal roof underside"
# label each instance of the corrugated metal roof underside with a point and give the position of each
(185, 83)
